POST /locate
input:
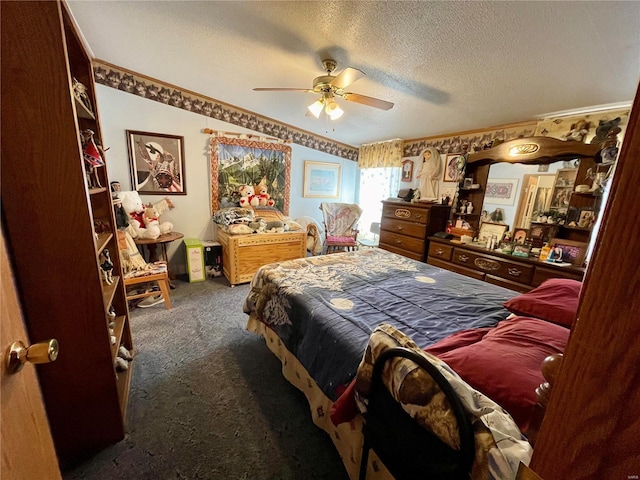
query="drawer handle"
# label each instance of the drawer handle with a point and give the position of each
(398, 242)
(400, 227)
(486, 264)
(439, 252)
(514, 272)
(463, 258)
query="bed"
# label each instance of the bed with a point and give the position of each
(320, 315)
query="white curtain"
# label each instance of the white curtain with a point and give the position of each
(376, 184)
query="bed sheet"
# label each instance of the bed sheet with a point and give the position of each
(325, 308)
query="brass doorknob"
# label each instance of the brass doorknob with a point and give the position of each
(19, 354)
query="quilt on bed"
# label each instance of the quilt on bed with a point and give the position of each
(325, 308)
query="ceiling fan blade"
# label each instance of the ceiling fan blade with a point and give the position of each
(370, 101)
(283, 90)
(347, 77)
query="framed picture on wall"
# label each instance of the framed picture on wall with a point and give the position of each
(321, 180)
(453, 166)
(157, 163)
(407, 170)
(501, 191)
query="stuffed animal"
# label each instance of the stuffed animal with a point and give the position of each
(264, 199)
(248, 197)
(578, 131)
(134, 208)
(151, 223)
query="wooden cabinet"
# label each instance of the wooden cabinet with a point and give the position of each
(515, 273)
(404, 227)
(50, 215)
(243, 255)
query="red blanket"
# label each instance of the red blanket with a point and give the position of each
(503, 362)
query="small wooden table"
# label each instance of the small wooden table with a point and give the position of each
(152, 243)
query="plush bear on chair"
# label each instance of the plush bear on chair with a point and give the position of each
(135, 209)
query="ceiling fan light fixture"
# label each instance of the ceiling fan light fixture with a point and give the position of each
(316, 107)
(333, 109)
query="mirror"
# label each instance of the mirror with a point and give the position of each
(517, 194)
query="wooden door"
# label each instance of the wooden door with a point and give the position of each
(26, 448)
(526, 202)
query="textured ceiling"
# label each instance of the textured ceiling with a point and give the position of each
(447, 66)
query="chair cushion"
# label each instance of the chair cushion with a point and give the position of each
(151, 269)
(341, 240)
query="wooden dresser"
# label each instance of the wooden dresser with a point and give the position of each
(405, 227)
(515, 273)
(242, 255)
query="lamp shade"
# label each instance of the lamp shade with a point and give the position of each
(333, 109)
(316, 107)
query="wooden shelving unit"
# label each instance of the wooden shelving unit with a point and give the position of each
(49, 213)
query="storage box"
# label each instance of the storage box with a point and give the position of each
(195, 260)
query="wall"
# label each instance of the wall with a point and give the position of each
(120, 111)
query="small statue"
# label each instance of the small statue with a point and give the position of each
(107, 267)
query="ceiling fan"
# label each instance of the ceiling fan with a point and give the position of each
(329, 87)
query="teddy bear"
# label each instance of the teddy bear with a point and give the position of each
(248, 197)
(135, 209)
(264, 199)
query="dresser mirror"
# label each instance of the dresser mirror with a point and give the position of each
(529, 185)
(517, 194)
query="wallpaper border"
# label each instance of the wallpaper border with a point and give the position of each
(156, 90)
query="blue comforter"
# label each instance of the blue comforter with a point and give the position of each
(325, 308)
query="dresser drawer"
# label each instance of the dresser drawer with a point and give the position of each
(541, 274)
(440, 251)
(402, 241)
(419, 256)
(517, 272)
(402, 227)
(407, 213)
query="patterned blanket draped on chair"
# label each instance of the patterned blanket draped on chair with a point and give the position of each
(340, 223)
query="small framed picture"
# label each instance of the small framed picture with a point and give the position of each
(468, 182)
(520, 235)
(586, 218)
(521, 250)
(407, 170)
(567, 251)
(488, 230)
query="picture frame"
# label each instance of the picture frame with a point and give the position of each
(520, 235)
(501, 191)
(468, 183)
(573, 252)
(521, 250)
(586, 218)
(321, 179)
(488, 229)
(407, 171)
(453, 166)
(156, 162)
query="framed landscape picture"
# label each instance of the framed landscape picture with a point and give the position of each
(321, 180)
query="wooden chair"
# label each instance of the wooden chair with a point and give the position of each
(136, 271)
(158, 275)
(340, 226)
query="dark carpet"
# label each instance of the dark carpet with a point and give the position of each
(208, 400)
